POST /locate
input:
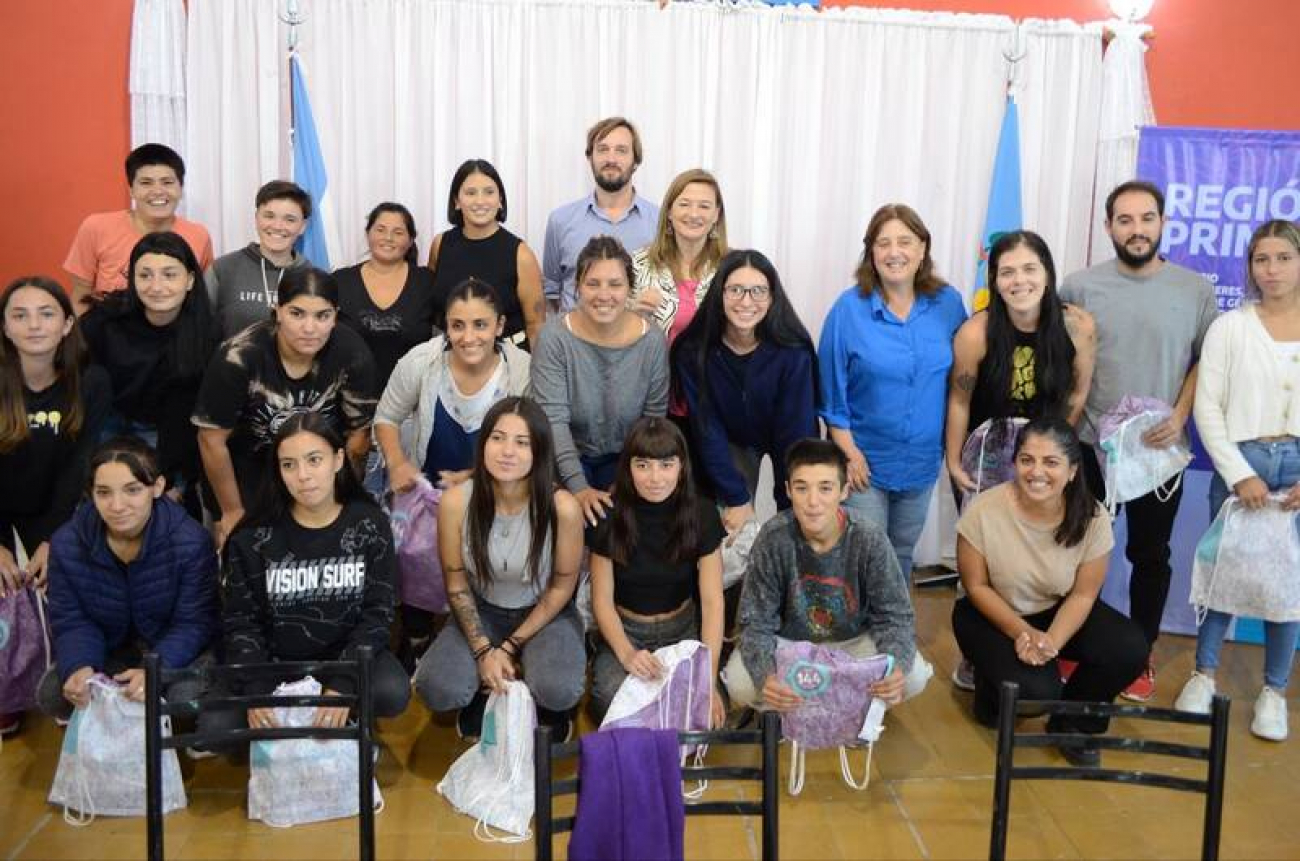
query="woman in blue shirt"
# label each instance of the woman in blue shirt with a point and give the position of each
(884, 356)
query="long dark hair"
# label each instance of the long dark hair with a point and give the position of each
(656, 438)
(781, 325)
(194, 336)
(465, 171)
(69, 359)
(307, 281)
(1080, 504)
(541, 487)
(273, 500)
(1053, 348)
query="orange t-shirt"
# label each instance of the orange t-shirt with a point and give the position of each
(102, 249)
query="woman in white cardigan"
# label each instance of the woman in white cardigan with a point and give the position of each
(427, 422)
(1248, 415)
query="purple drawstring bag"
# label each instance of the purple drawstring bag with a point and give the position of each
(24, 649)
(837, 704)
(414, 518)
(1132, 468)
(988, 454)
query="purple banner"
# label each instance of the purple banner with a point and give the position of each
(1220, 184)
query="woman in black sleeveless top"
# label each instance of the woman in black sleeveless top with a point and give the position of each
(477, 246)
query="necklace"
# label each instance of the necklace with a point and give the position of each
(507, 530)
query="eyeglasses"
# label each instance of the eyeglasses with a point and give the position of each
(757, 292)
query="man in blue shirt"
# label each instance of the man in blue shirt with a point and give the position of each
(615, 209)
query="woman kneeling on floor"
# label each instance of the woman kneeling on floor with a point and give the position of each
(1032, 555)
(510, 545)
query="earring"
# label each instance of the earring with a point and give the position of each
(713, 232)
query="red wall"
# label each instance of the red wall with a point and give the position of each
(65, 119)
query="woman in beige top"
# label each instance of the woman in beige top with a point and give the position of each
(1032, 555)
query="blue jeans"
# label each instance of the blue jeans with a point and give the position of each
(1278, 465)
(901, 513)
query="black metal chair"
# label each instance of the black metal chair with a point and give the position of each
(1214, 754)
(765, 738)
(155, 743)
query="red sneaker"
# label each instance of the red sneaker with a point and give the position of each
(1143, 687)
(1066, 669)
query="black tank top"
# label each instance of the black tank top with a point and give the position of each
(1026, 401)
(494, 260)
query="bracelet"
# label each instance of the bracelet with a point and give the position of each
(483, 650)
(517, 643)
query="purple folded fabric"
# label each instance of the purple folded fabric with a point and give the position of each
(629, 797)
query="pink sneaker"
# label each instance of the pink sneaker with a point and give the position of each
(1141, 689)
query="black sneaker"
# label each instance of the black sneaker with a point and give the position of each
(469, 720)
(1087, 756)
(741, 718)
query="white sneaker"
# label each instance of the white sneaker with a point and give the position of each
(963, 675)
(1196, 694)
(1270, 715)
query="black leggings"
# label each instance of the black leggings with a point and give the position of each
(1108, 647)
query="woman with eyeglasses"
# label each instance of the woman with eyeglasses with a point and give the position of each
(747, 370)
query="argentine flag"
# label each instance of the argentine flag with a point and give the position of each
(309, 169)
(1005, 213)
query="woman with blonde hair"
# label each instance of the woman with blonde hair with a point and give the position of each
(673, 273)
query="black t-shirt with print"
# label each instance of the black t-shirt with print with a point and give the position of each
(42, 478)
(390, 332)
(650, 582)
(247, 391)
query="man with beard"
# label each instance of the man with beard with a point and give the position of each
(1151, 317)
(615, 209)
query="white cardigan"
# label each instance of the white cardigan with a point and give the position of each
(1243, 392)
(645, 276)
(412, 390)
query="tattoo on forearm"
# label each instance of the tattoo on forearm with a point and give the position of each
(466, 612)
(966, 382)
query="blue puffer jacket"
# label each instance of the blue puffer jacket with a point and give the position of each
(168, 595)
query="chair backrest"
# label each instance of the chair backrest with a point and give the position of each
(765, 738)
(1214, 753)
(157, 678)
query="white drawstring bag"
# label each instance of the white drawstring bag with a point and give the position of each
(493, 780)
(294, 781)
(1248, 563)
(1132, 468)
(101, 769)
(735, 552)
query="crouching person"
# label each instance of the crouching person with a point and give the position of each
(819, 573)
(130, 572)
(309, 576)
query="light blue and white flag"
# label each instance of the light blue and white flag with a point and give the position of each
(309, 169)
(1005, 212)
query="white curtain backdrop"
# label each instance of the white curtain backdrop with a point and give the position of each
(157, 73)
(237, 119)
(811, 120)
(1125, 108)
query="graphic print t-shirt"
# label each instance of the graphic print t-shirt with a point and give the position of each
(297, 593)
(390, 332)
(247, 391)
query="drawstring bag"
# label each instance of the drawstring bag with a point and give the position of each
(24, 649)
(735, 553)
(293, 781)
(838, 708)
(101, 766)
(414, 518)
(1248, 563)
(678, 700)
(988, 454)
(1132, 468)
(493, 780)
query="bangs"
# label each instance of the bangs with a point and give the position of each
(657, 439)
